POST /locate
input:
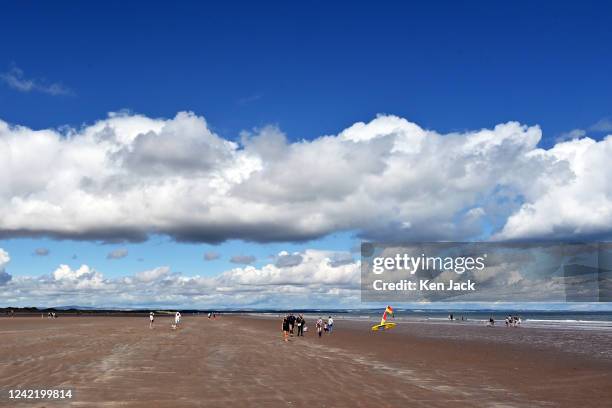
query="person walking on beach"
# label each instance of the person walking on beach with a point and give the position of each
(300, 325)
(177, 319)
(151, 320)
(285, 328)
(320, 326)
(291, 320)
(297, 325)
(330, 325)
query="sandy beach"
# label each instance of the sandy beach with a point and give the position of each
(240, 361)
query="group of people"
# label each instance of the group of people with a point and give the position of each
(291, 322)
(513, 321)
(327, 326)
(177, 320)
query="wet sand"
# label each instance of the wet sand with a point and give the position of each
(242, 362)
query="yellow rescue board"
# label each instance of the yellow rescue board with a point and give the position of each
(384, 326)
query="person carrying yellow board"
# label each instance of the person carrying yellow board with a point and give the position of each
(384, 325)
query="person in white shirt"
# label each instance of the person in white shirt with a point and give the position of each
(330, 325)
(151, 320)
(177, 318)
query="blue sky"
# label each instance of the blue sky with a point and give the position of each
(314, 68)
(186, 258)
(308, 70)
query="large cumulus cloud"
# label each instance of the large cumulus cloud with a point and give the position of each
(580, 206)
(128, 176)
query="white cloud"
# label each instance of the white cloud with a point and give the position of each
(83, 278)
(16, 79)
(129, 176)
(580, 206)
(314, 281)
(285, 259)
(316, 268)
(5, 277)
(152, 274)
(4, 258)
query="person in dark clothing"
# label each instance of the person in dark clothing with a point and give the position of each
(300, 325)
(285, 328)
(291, 320)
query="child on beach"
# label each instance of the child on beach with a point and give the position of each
(151, 320)
(177, 319)
(319, 326)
